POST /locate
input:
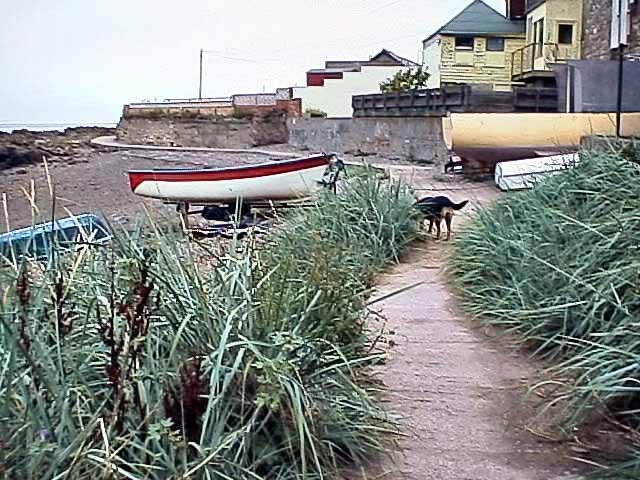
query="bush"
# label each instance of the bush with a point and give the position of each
(135, 362)
(558, 265)
(406, 80)
(240, 114)
(315, 113)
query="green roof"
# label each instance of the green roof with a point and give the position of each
(478, 18)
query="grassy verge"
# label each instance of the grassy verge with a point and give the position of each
(559, 266)
(134, 362)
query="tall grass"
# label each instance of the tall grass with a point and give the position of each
(135, 362)
(559, 266)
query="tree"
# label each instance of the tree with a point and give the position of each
(404, 80)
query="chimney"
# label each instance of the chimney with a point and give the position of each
(516, 9)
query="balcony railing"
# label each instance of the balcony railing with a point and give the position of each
(534, 57)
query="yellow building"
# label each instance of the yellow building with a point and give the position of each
(553, 33)
(475, 47)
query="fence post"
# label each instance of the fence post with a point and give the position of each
(533, 58)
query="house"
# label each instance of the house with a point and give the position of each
(553, 35)
(475, 47)
(330, 89)
(598, 20)
(592, 83)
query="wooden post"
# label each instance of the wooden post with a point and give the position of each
(183, 210)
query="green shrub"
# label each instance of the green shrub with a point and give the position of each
(315, 113)
(559, 266)
(242, 114)
(136, 362)
(405, 80)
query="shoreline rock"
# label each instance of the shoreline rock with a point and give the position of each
(26, 147)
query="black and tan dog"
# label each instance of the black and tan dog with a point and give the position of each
(435, 209)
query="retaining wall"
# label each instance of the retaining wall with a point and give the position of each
(418, 140)
(244, 131)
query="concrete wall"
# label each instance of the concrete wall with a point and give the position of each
(431, 57)
(417, 140)
(215, 132)
(334, 97)
(477, 65)
(587, 78)
(597, 30)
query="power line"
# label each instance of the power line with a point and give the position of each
(386, 5)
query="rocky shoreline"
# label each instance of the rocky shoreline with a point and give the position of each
(25, 147)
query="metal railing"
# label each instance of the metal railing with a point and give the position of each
(534, 56)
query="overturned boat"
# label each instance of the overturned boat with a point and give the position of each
(273, 181)
(484, 139)
(525, 174)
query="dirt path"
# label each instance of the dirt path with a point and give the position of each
(459, 394)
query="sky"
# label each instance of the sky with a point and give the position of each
(79, 61)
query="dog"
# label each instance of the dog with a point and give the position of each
(435, 209)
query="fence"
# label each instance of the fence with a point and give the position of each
(534, 56)
(455, 98)
(254, 100)
(412, 103)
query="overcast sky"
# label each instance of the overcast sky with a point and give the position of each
(80, 60)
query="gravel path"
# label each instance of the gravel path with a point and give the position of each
(459, 394)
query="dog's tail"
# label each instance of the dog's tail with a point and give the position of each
(459, 206)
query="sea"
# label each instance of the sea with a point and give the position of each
(50, 126)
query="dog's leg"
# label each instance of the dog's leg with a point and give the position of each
(431, 221)
(447, 220)
(438, 222)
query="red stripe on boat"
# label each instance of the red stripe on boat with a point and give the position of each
(136, 177)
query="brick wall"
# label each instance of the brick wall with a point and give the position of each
(597, 28)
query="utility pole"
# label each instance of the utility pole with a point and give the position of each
(200, 88)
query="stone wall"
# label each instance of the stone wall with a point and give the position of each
(418, 140)
(240, 131)
(597, 30)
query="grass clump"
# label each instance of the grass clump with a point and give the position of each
(135, 362)
(559, 266)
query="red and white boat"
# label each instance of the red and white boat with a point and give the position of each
(282, 180)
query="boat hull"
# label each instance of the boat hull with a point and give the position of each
(273, 181)
(525, 174)
(484, 139)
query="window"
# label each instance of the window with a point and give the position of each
(495, 44)
(565, 34)
(539, 37)
(464, 43)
